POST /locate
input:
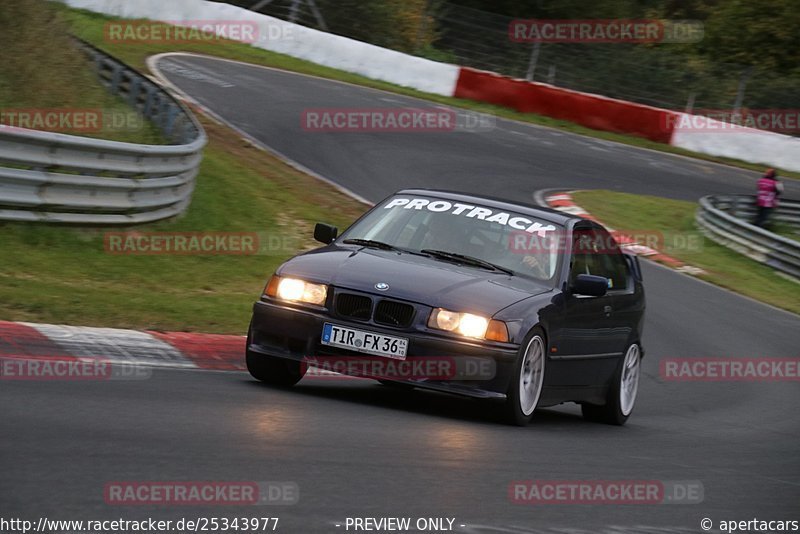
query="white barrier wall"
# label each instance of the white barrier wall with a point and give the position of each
(295, 40)
(716, 138)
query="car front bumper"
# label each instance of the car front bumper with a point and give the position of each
(295, 333)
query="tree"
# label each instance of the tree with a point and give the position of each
(763, 34)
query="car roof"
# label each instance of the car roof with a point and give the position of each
(547, 214)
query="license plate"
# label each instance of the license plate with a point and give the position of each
(361, 341)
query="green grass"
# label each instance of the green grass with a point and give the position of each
(42, 71)
(675, 219)
(89, 26)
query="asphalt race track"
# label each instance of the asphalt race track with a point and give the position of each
(511, 160)
(358, 449)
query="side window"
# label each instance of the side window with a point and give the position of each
(595, 252)
(583, 254)
(613, 263)
(616, 270)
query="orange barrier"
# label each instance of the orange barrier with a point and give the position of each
(593, 111)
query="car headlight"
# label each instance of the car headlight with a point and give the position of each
(468, 325)
(295, 290)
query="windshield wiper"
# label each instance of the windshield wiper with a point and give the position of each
(467, 260)
(370, 243)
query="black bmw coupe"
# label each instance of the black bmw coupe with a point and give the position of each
(463, 294)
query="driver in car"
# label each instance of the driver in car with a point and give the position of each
(451, 235)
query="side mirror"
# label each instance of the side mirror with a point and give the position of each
(325, 233)
(591, 285)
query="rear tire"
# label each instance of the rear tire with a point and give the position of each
(527, 382)
(622, 393)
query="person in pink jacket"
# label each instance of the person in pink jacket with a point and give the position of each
(769, 187)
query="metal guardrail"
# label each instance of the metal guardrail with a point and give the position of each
(725, 220)
(744, 207)
(58, 178)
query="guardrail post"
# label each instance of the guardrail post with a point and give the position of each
(736, 211)
(172, 112)
(162, 113)
(149, 101)
(133, 96)
(116, 76)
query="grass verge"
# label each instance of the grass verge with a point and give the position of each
(675, 220)
(44, 75)
(90, 26)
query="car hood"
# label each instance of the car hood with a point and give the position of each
(414, 278)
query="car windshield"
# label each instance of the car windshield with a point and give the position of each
(522, 244)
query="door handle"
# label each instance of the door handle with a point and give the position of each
(607, 310)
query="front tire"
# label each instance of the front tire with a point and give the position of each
(622, 393)
(527, 381)
(273, 370)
